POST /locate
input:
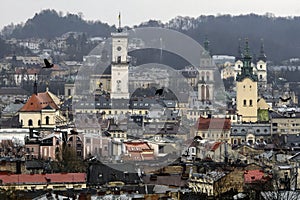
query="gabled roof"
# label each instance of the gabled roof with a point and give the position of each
(43, 178)
(213, 124)
(38, 102)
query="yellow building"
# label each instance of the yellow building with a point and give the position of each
(246, 86)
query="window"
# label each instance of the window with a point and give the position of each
(69, 92)
(30, 122)
(250, 102)
(260, 76)
(245, 102)
(47, 120)
(39, 122)
(119, 59)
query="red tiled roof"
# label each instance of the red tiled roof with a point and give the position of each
(138, 150)
(252, 176)
(43, 178)
(39, 102)
(56, 68)
(33, 71)
(137, 146)
(213, 123)
(30, 71)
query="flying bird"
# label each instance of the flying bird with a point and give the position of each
(285, 100)
(47, 63)
(159, 92)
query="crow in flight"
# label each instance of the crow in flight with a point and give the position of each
(285, 100)
(47, 63)
(159, 92)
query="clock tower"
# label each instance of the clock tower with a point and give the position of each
(119, 66)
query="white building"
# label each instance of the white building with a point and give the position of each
(119, 66)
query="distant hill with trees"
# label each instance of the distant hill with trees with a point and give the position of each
(280, 34)
(49, 24)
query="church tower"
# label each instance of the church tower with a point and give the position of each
(261, 67)
(246, 89)
(119, 65)
(206, 76)
(238, 61)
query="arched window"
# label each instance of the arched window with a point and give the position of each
(207, 92)
(245, 102)
(250, 102)
(39, 122)
(202, 92)
(47, 120)
(202, 76)
(207, 76)
(30, 123)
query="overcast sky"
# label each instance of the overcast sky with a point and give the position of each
(136, 11)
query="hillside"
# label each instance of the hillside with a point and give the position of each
(49, 24)
(280, 34)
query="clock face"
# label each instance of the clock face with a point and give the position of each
(119, 48)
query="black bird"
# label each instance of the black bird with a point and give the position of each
(47, 63)
(159, 92)
(285, 100)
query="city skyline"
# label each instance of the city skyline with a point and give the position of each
(135, 12)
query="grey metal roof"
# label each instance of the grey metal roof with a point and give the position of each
(256, 129)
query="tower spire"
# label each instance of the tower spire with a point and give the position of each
(247, 70)
(206, 44)
(120, 27)
(262, 55)
(247, 49)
